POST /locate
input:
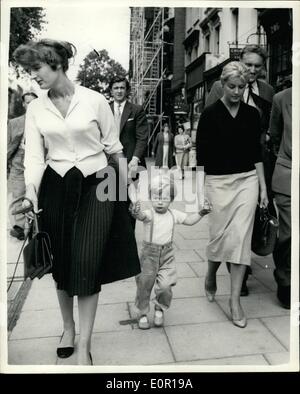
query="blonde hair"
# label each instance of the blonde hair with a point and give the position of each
(162, 182)
(235, 69)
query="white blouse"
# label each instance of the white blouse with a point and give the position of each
(79, 139)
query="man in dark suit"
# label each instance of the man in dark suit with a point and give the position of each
(258, 94)
(131, 123)
(254, 57)
(281, 139)
(15, 164)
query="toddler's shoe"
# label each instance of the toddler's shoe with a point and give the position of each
(144, 323)
(158, 318)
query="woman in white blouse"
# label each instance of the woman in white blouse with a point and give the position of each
(69, 131)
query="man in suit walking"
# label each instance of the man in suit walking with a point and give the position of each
(15, 165)
(131, 123)
(258, 94)
(281, 140)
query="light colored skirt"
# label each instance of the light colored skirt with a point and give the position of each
(234, 198)
(182, 159)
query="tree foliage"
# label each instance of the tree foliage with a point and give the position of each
(98, 69)
(25, 24)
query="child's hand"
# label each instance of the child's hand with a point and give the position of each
(134, 208)
(206, 209)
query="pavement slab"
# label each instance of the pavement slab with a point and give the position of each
(186, 256)
(185, 271)
(193, 311)
(41, 298)
(117, 292)
(135, 347)
(38, 324)
(280, 328)
(278, 358)
(35, 351)
(257, 305)
(220, 339)
(265, 276)
(239, 360)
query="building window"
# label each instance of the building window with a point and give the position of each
(207, 42)
(235, 14)
(217, 40)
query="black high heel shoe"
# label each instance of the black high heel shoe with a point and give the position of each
(64, 352)
(91, 358)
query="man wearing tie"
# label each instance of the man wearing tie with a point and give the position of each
(131, 123)
(258, 94)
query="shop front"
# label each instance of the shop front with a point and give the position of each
(278, 26)
(195, 88)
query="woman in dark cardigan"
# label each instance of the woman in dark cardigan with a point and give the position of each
(229, 154)
(163, 148)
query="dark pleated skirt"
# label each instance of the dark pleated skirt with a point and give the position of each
(92, 241)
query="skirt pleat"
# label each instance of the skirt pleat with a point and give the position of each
(81, 229)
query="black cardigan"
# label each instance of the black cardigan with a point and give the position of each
(227, 145)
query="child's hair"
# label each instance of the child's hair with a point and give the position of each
(162, 182)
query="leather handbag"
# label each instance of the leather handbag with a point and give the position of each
(265, 232)
(37, 254)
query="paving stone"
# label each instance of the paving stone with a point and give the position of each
(108, 318)
(201, 268)
(257, 305)
(263, 261)
(31, 324)
(202, 254)
(13, 249)
(187, 311)
(186, 256)
(265, 276)
(220, 339)
(194, 287)
(188, 244)
(192, 311)
(121, 291)
(41, 298)
(135, 347)
(184, 271)
(187, 232)
(280, 327)
(37, 351)
(188, 287)
(278, 358)
(38, 324)
(242, 360)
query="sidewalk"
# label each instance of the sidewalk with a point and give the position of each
(196, 332)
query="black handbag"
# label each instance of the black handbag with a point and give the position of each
(37, 254)
(265, 232)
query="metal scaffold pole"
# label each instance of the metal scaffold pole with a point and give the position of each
(146, 54)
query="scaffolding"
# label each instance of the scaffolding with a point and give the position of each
(147, 68)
